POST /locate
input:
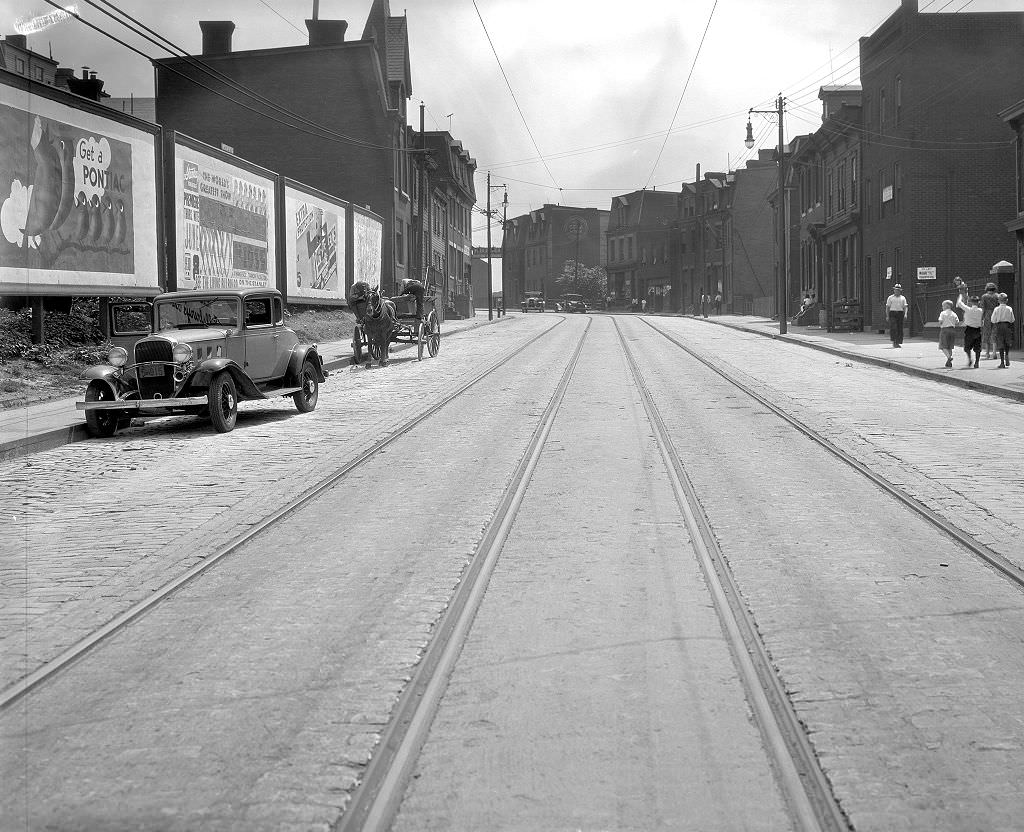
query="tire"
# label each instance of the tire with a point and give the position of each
(100, 423)
(223, 398)
(357, 346)
(421, 339)
(433, 335)
(305, 399)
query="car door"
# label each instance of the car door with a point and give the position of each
(260, 338)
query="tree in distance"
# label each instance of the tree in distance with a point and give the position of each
(589, 281)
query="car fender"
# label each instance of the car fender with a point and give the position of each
(300, 352)
(199, 381)
(111, 375)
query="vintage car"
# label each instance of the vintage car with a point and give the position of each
(532, 302)
(573, 303)
(207, 351)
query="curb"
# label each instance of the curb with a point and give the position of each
(920, 372)
(58, 437)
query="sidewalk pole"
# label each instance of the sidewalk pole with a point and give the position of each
(490, 287)
(783, 287)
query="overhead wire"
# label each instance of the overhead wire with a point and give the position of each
(513, 94)
(285, 19)
(679, 103)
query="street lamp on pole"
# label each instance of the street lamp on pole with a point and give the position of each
(781, 284)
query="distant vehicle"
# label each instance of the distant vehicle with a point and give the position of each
(208, 351)
(532, 302)
(574, 303)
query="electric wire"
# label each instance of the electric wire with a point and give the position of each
(512, 93)
(285, 19)
(682, 95)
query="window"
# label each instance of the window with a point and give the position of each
(881, 111)
(278, 311)
(257, 312)
(897, 182)
(830, 190)
(400, 242)
(37, 73)
(897, 100)
(897, 268)
(853, 180)
(841, 191)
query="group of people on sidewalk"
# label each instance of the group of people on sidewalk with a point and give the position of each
(988, 320)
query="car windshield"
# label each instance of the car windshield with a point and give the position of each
(197, 312)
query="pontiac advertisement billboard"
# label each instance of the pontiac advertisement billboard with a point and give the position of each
(224, 223)
(78, 207)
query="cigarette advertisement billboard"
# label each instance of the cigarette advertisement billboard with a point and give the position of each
(367, 241)
(78, 199)
(224, 229)
(314, 240)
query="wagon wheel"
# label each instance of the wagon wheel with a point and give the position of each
(421, 339)
(357, 345)
(433, 327)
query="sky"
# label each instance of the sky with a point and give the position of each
(606, 96)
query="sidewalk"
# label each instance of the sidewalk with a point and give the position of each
(39, 427)
(918, 356)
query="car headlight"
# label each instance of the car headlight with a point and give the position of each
(181, 353)
(117, 357)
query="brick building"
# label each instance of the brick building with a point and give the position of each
(639, 238)
(452, 196)
(1013, 282)
(937, 166)
(354, 92)
(536, 247)
(825, 175)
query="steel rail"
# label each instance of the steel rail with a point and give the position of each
(805, 786)
(47, 671)
(1003, 566)
(380, 793)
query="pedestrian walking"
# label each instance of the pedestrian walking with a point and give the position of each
(896, 306)
(972, 329)
(705, 299)
(643, 305)
(948, 322)
(1002, 330)
(989, 301)
(718, 304)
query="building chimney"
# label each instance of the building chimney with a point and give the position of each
(326, 32)
(88, 86)
(216, 36)
(20, 41)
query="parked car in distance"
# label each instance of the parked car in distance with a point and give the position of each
(574, 303)
(207, 351)
(532, 302)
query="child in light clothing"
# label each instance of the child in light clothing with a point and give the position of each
(1002, 330)
(948, 321)
(972, 329)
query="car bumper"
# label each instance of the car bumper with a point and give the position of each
(145, 404)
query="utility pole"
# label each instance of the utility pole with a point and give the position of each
(490, 287)
(782, 282)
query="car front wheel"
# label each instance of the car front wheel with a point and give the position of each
(100, 422)
(305, 399)
(223, 398)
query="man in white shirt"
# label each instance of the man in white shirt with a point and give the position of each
(896, 306)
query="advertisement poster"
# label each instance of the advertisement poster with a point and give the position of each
(367, 239)
(77, 200)
(315, 237)
(224, 223)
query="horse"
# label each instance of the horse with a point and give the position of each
(379, 321)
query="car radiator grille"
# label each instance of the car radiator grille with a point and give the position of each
(162, 385)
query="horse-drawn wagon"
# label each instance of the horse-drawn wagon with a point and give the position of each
(407, 318)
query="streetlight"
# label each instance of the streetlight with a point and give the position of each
(781, 287)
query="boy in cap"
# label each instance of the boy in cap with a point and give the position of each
(948, 322)
(989, 301)
(1002, 323)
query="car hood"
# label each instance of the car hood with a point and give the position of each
(190, 336)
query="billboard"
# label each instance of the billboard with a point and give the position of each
(314, 240)
(367, 239)
(223, 222)
(78, 199)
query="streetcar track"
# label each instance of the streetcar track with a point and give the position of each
(46, 671)
(805, 786)
(1002, 565)
(382, 788)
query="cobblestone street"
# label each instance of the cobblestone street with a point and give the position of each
(598, 686)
